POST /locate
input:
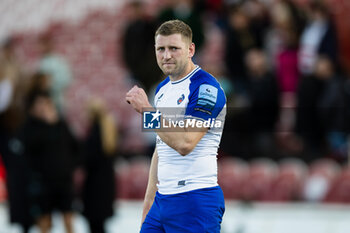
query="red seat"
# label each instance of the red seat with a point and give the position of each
(287, 185)
(138, 178)
(262, 174)
(340, 189)
(322, 174)
(122, 175)
(232, 174)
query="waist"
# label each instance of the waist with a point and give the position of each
(208, 190)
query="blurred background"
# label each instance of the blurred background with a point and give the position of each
(65, 67)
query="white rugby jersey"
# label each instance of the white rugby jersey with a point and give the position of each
(199, 96)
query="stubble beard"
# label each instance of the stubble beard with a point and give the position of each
(176, 72)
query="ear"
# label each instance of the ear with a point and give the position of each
(191, 50)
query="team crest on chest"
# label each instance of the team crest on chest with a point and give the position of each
(179, 100)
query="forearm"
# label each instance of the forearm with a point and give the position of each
(182, 139)
(151, 186)
(183, 142)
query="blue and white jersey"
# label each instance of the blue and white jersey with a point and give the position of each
(198, 95)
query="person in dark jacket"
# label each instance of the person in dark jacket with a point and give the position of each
(138, 39)
(319, 38)
(12, 85)
(49, 148)
(99, 186)
(240, 38)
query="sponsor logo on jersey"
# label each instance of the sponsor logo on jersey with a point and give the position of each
(207, 97)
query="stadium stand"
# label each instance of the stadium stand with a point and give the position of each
(86, 33)
(322, 174)
(287, 186)
(132, 178)
(233, 174)
(262, 173)
(340, 188)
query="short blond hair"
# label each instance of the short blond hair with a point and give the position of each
(175, 27)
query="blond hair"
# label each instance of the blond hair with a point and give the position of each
(175, 27)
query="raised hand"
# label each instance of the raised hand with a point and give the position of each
(137, 97)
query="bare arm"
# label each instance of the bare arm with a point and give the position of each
(151, 186)
(184, 140)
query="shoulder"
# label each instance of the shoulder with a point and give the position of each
(203, 77)
(203, 80)
(206, 98)
(205, 86)
(162, 84)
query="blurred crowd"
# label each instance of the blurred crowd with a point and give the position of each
(279, 62)
(40, 152)
(290, 92)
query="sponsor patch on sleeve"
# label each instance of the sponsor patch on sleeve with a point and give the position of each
(207, 97)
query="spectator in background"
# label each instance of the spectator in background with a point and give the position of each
(139, 40)
(11, 116)
(240, 38)
(258, 14)
(100, 148)
(318, 38)
(250, 128)
(57, 68)
(318, 41)
(321, 113)
(39, 81)
(282, 44)
(188, 11)
(11, 87)
(50, 149)
(263, 106)
(333, 108)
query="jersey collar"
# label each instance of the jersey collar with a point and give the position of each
(187, 76)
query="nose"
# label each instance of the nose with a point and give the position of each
(167, 54)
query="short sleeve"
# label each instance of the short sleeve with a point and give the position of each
(206, 101)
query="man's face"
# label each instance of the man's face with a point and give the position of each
(41, 105)
(173, 54)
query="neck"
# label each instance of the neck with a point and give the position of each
(191, 66)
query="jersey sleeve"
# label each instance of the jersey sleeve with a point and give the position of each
(206, 100)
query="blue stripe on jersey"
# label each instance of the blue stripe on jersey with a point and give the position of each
(206, 98)
(163, 83)
(187, 76)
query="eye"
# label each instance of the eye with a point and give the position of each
(173, 48)
(161, 49)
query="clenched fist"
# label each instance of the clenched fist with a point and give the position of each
(137, 97)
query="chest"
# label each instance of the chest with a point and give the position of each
(172, 96)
